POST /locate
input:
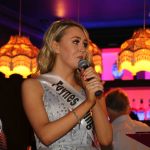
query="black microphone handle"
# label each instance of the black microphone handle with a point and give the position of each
(98, 93)
(85, 64)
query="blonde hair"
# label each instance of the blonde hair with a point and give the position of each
(47, 56)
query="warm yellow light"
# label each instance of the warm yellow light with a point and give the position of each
(126, 66)
(60, 9)
(23, 70)
(98, 68)
(18, 56)
(126, 60)
(6, 70)
(135, 52)
(97, 60)
(96, 56)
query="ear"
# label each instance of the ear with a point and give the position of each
(55, 46)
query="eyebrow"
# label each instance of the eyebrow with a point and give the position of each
(76, 37)
(79, 38)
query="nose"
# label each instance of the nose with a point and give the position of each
(82, 50)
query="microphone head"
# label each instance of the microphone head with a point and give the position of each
(83, 64)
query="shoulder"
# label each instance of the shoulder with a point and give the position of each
(141, 125)
(31, 84)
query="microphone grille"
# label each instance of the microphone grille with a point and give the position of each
(83, 64)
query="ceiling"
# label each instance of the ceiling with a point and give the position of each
(109, 22)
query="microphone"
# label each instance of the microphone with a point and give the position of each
(83, 64)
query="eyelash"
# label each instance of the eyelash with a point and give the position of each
(85, 44)
(77, 42)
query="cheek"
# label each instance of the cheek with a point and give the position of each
(68, 56)
(68, 52)
(65, 48)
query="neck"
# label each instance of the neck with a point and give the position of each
(67, 76)
(65, 72)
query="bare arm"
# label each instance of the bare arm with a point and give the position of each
(46, 130)
(102, 126)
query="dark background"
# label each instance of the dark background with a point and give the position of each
(109, 23)
(15, 124)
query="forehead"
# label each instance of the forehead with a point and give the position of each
(75, 32)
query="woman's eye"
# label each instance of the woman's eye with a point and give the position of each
(76, 41)
(85, 45)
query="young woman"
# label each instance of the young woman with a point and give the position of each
(60, 103)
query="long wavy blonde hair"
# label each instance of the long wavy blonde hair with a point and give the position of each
(47, 56)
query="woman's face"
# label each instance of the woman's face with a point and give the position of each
(72, 47)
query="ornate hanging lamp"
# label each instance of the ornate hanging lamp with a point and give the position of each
(135, 52)
(96, 56)
(18, 56)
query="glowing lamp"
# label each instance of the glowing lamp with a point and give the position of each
(96, 57)
(18, 56)
(135, 52)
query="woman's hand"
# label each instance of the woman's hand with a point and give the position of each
(92, 83)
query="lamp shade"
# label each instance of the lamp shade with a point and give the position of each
(135, 52)
(18, 56)
(96, 57)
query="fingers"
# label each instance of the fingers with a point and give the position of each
(89, 74)
(92, 80)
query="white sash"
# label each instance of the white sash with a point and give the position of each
(71, 97)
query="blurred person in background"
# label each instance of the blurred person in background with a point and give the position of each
(118, 108)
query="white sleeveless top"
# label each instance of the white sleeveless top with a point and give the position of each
(78, 138)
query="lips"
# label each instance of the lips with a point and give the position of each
(80, 57)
